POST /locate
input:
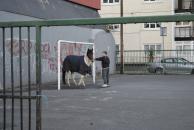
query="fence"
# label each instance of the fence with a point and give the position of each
(140, 61)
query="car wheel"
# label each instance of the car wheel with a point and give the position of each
(159, 71)
(192, 72)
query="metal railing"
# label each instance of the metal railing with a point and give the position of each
(11, 93)
(139, 61)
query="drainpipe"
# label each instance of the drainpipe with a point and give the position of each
(173, 25)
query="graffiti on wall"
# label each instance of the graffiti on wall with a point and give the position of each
(49, 52)
(45, 50)
(16, 47)
(72, 49)
(45, 47)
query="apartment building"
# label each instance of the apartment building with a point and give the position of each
(184, 34)
(147, 35)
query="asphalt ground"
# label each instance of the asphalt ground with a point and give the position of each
(133, 102)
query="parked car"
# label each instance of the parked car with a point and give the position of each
(171, 65)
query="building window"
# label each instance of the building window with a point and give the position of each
(117, 47)
(105, 1)
(113, 27)
(179, 50)
(110, 1)
(187, 49)
(183, 23)
(178, 23)
(183, 31)
(152, 25)
(151, 0)
(154, 47)
(184, 50)
(193, 50)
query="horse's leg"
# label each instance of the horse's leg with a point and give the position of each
(68, 77)
(82, 80)
(73, 76)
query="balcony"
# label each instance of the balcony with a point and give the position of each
(184, 33)
(182, 6)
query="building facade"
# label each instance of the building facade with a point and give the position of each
(184, 31)
(147, 36)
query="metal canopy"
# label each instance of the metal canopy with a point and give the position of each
(101, 21)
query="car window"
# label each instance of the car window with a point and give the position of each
(184, 60)
(177, 60)
(168, 60)
(181, 60)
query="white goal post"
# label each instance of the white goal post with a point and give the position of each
(59, 64)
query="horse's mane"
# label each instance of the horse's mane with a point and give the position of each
(87, 61)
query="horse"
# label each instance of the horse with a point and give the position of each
(80, 64)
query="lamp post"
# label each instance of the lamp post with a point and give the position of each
(121, 40)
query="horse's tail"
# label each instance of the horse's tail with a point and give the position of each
(63, 76)
(63, 72)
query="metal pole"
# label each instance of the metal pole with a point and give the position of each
(163, 45)
(94, 65)
(59, 64)
(20, 68)
(29, 81)
(12, 83)
(4, 80)
(121, 40)
(38, 78)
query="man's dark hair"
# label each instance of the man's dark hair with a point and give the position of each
(105, 52)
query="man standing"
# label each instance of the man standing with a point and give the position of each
(105, 62)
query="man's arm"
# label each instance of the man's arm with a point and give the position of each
(99, 58)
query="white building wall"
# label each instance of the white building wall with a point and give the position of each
(135, 36)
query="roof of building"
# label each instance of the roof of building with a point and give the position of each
(96, 4)
(48, 9)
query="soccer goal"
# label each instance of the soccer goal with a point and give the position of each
(65, 48)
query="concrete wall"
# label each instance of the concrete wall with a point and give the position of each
(104, 42)
(50, 36)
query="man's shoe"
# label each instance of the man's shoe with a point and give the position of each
(108, 85)
(104, 85)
